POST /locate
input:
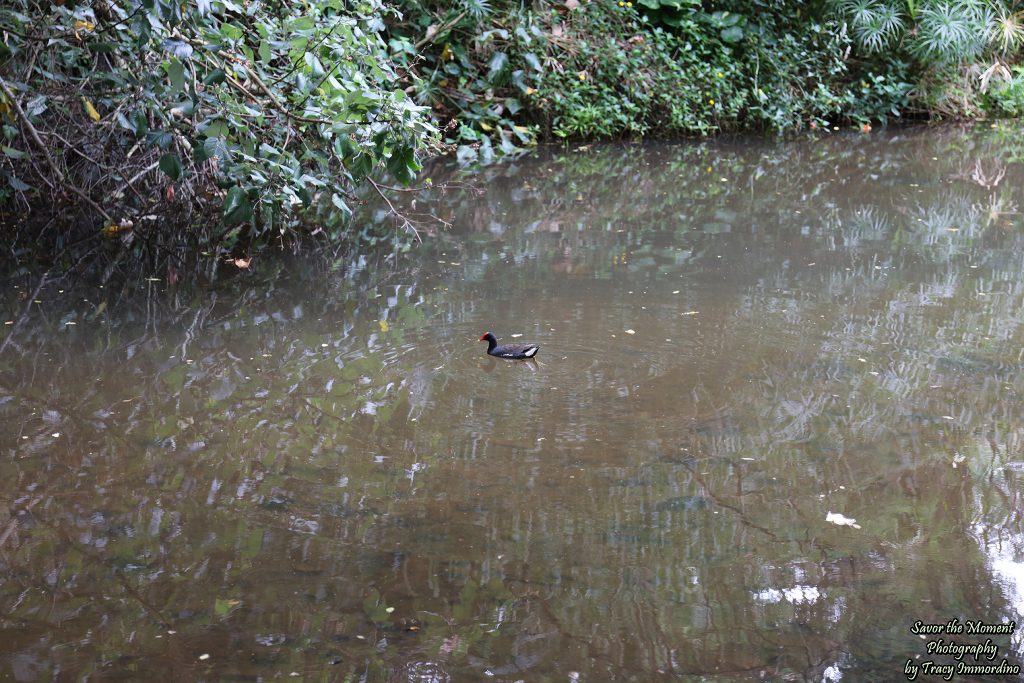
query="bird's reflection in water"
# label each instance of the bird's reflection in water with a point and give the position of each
(491, 363)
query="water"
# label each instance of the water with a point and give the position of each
(313, 470)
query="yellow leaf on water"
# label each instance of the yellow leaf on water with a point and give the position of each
(91, 110)
(384, 327)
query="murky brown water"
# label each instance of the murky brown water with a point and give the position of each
(317, 472)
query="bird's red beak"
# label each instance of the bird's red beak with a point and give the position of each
(483, 337)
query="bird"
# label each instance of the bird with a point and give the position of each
(513, 351)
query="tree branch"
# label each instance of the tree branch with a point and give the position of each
(46, 152)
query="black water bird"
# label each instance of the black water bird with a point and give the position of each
(513, 351)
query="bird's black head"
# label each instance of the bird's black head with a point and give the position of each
(487, 337)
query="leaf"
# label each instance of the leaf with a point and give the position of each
(236, 206)
(214, 77)
(733, 34)
(178, 48)
(216, 147)
(36, 106)
(90, 110)
(313, 62)
(497, 64)
(230, 32)
(186, 108)
(533, 61)
(17, 185)
(175, 74)
(171, 165)
(13, 153)
(161, 139)
(213, 128)
(138, 119)
(340, 204)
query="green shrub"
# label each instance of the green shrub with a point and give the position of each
(1005, 96)
(263, 110)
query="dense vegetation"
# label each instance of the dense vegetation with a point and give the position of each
(234, 121)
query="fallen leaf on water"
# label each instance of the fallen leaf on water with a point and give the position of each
(384, 327)
(841, 520)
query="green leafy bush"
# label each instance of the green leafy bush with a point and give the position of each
(264, 110)
(1005, 96)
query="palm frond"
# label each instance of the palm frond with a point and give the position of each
(951, 32)
(1006, 32)
(875, 24)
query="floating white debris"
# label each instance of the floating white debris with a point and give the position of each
(841, 520)
(630, 331)
(948, 417)
(675, 291)
(516, 336)
(689, 313)
(203, 657)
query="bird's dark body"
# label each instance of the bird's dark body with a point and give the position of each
(510, 351)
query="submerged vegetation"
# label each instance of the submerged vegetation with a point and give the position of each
(171, 128)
